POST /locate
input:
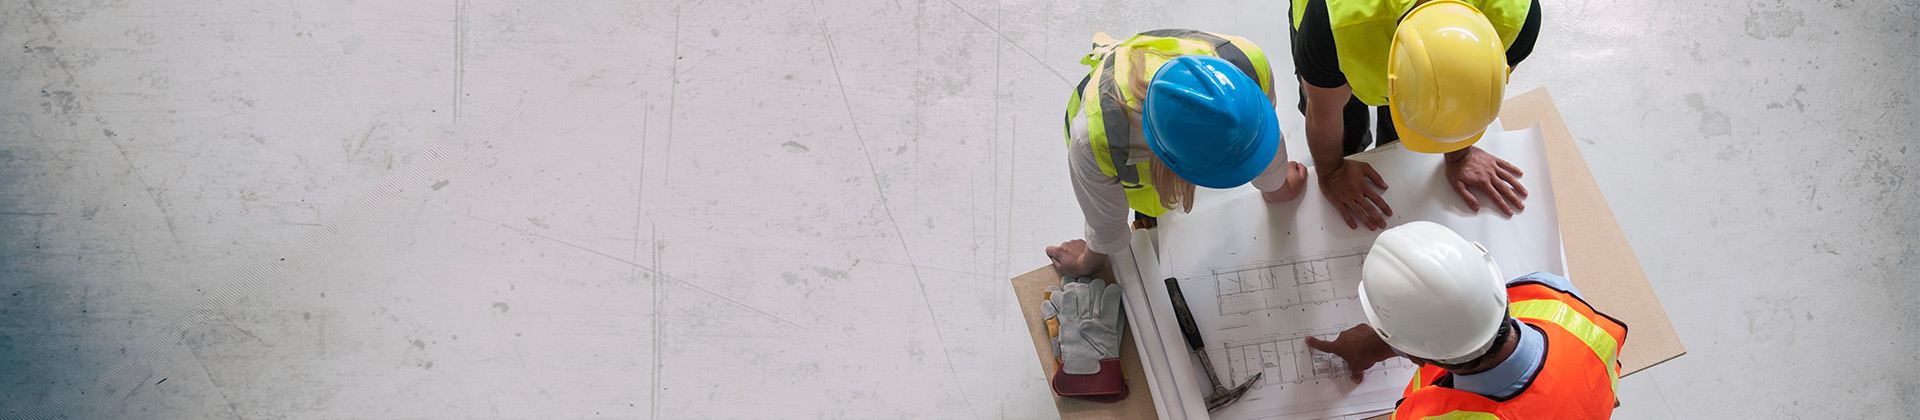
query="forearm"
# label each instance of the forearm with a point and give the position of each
(1099, 244)
(1275, 176)
(1325, 126)
(1323, 140)
(1091, 261)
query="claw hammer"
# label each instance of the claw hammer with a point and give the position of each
(1221, 396)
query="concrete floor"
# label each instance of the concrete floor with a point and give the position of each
(480, 208)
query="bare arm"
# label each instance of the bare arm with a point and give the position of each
(1324, 123)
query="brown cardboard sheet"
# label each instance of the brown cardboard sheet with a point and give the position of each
(1599, 260)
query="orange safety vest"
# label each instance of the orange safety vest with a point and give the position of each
(1577, 380)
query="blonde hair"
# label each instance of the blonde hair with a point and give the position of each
(1175, 192)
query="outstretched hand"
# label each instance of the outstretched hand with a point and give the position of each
(1349, 187)
(1359, 346)
(1475, 169)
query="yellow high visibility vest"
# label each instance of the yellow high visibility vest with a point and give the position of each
(1363, 35)
(1119, 81)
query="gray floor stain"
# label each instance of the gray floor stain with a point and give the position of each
(1693, 51)
(794, 147)
(59, 99)
(1776, 21)
(1712, 121)
(830, 273)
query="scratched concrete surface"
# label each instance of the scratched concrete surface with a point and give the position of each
(484, 208)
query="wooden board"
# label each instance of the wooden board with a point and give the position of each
(1598, 257)
(1028, 288)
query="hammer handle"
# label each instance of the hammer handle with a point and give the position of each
(1180, 312)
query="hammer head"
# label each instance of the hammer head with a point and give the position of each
(1222, 396)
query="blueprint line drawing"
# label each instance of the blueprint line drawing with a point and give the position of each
(1284, 359)
(1281, 284)
(1281, 274)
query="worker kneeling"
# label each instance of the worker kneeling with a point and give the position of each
(1161, 113)
(1438, 299)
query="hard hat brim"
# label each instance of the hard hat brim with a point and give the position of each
(1423, 144)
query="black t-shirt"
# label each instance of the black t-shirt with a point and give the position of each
(1315, 59)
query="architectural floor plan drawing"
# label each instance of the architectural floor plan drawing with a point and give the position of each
(1284, 360)
(1261, 277)
(1278, 285)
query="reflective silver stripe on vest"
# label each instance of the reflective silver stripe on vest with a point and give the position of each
(1075, 107)
(1114, 115)
(1221, 47)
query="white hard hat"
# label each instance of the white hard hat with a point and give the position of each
(1432, 294)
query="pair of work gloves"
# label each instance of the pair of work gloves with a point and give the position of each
(1083, 318)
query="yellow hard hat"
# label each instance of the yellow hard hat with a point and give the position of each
(1446, 77)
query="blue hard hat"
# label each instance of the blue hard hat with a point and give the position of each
(1209, 122)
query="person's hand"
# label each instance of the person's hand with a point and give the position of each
(1349, 187)
(1070, 258)
(1475, 169)
(1296, 182)
(1359, 346)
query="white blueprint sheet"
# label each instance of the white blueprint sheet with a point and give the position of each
(1261, 277)
(1170, 389)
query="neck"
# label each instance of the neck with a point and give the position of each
(1498, 355)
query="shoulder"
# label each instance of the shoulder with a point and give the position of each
(1311, 21)
(1315, 56)
(1550, 280)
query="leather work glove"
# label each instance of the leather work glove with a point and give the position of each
(1083, 317)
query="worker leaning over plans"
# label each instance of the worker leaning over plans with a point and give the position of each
(1161, 113)
(1488, 347)
(1437, 71)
